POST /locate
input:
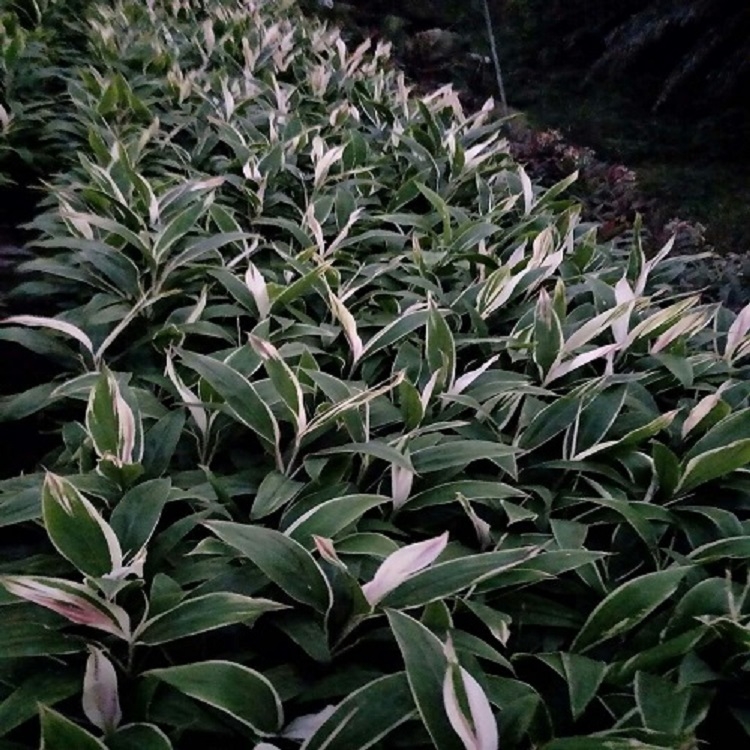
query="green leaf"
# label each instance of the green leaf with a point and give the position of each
(275, 491)
(448, 578)
(426, 666)
(453, 453)
(440, 348)
(285, 562)
(333, 516)
(240, 395)
(240, 692)
(77, 530)
(583, 677)
(714, 464)
(550, 421)
(662, 706)
(201, 614)
(135, 517)
(734, 548)
(22, 704)
(59, 733)
(141, 736)
(366, 716)
(627, 606)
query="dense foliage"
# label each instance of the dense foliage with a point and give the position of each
(361, 438)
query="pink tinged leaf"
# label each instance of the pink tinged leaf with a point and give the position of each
(101, 701)
(402, 564)
(478, 731)
(77, 608)
(304, 727)
(257, 286)
(264, 349)
(737, 331)
(327, 551)
(401, 483)
(35, 321)
(482, 528)
(701, 410)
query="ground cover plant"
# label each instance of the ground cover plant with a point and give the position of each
(362, 439)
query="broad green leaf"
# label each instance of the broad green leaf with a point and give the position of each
(77, 530)
(734, 548)
(366, 715)
(450, 577)
(374, 448)
(549, 422)
(333, 516)
(426, 666)
(135, 517)
(29, 631)
(460, 453)
(275, 491)
(48, 688)
(285, 562)
(471, 489)
(714, 464)
(662, 706)
(240, 692)
(60, 733)
(142, 736)
(583, 677)
(627, 606)
(201, 614)
(240, 395)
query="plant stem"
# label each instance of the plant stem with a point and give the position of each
(495, 59)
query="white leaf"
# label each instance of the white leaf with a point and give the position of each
(257, 286)
(304, 727)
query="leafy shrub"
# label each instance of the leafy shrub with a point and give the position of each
(364, 440)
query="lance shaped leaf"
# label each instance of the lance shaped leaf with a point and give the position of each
(242, 693)
(257, 286)
(59, 733)
(548, 336)
(478, 730)
(113, 425)
(348, 324)
(77, 530)
(284, 380)
(73, 601)
(36, 321)
(402, 564)
(198, 413)
(101, 700)
(425, 664)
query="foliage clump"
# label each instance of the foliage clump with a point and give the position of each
(364, 439)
